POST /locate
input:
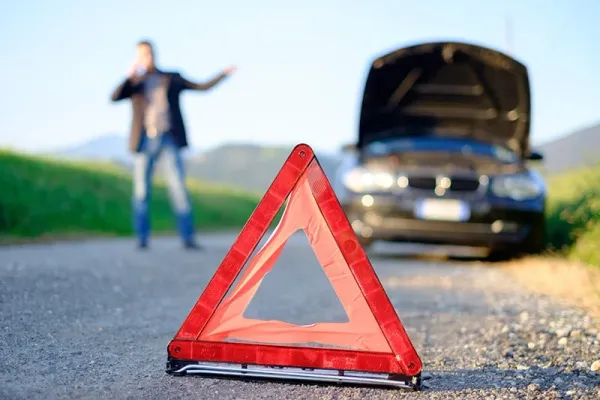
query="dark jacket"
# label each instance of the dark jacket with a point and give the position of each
(134, 89)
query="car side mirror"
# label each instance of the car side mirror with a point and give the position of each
(535, 156)
(349, 148)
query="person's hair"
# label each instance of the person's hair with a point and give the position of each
(145, 42)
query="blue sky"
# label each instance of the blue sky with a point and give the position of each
(301, 64)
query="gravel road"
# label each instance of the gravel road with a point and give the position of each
(92, 320)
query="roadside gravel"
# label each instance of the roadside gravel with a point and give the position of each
(92, 321)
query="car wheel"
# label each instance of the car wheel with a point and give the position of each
(501, 256)
(536, 242)
(539, 242)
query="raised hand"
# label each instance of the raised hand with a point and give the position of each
(135, 70)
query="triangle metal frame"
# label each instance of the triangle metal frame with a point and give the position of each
(186, 352)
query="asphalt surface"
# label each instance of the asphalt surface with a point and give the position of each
(92, 320)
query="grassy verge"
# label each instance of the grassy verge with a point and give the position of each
(574, 282)
(574, 236)
(574, 215)
(44, 198)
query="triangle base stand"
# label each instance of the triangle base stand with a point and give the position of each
(324, 376)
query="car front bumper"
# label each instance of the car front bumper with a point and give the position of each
(492, 223)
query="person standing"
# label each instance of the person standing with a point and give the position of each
(158, 130)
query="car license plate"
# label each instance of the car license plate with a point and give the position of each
(443, 210)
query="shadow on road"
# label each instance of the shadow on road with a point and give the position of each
(438, 258)
(425, 257)
(495, 378)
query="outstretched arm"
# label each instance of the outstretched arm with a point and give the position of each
(206, 85)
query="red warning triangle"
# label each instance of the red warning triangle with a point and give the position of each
(373, 340)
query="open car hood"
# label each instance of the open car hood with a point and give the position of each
(447, 89)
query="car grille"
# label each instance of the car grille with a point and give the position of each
(464, 185)
(456, 184)
(422, 183)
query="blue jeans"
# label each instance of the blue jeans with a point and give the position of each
(151, 150)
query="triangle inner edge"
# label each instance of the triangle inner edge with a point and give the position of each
(296, 278)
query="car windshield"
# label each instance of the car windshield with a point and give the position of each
(448, 145)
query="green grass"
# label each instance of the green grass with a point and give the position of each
(41, 197)
(574, 215)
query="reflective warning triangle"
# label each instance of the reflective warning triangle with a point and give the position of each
(373, 340)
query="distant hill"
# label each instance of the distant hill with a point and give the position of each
(253, 167)
(578, 149)
(107, 147)
(247, 166)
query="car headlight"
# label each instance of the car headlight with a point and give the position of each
(518, 187)
(363, 180)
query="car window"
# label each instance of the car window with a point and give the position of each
(384, 147)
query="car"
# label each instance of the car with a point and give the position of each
(442, 154)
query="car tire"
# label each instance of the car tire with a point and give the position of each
(497, 256)
(537, 241)
(539, 244)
